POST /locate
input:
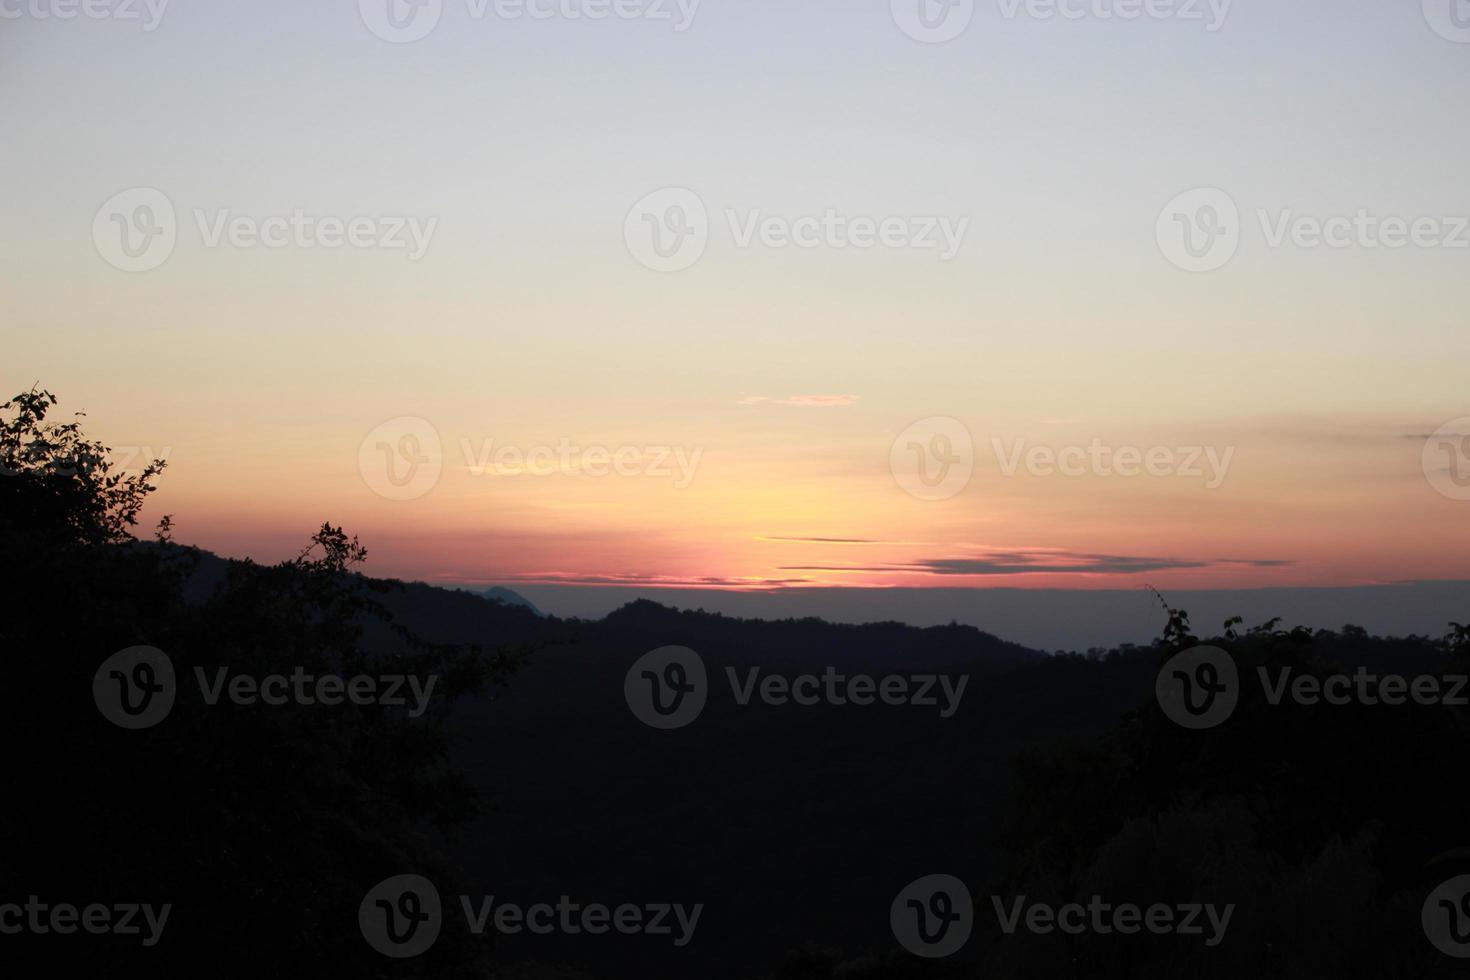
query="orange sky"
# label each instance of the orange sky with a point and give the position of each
(806, 493)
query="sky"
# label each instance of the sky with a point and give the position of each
(760, 295)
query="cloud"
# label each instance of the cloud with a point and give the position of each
(1023, 563)
(1039, 562)
(803, 401)
(1255, 562)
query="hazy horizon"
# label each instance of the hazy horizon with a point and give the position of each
(1044, 619)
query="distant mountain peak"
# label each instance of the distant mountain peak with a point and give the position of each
(511, 598)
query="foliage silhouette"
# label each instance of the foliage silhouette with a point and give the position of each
(262, 825)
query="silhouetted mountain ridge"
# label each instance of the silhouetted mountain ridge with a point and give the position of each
(881, 645)
(453, 615)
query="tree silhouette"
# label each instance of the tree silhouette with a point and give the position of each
(262, 825)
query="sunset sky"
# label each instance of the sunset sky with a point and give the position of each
(783, 375)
